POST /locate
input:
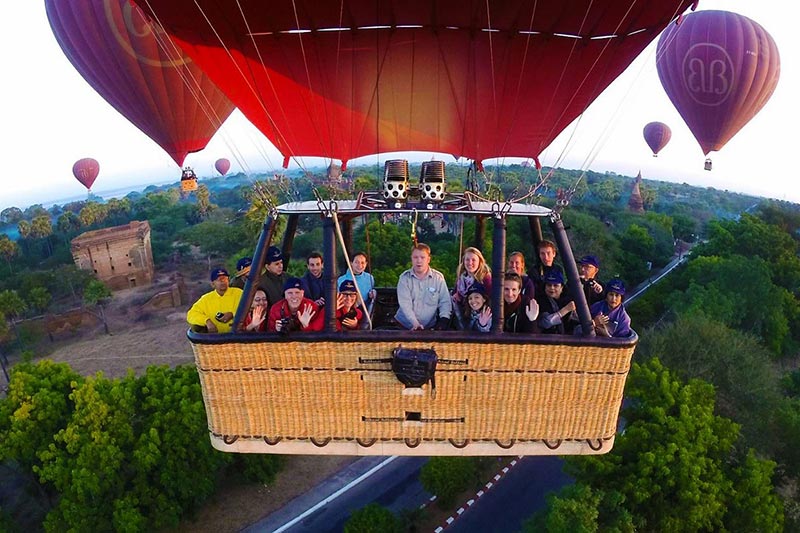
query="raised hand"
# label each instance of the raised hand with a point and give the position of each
(258, 317)
(485, 317)
(532, 310)
(306, 315)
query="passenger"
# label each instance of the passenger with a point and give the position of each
(242, 270)
(558, 310)
(294, 312)
(422, 294)
(588, 267)
(519, 312)
(348, 315)
(479, 317)
(256, 319)
(609, 317)
(274, 278)
(546, 264)
(365, 281)
(473, 269)
(313, 287)
(213, 312)
(516, 264)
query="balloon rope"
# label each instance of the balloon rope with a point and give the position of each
(350, 267)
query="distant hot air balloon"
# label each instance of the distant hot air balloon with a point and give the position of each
(719, 69)
(222, 165)
(140, 72)
(86, 170)
(656, 135)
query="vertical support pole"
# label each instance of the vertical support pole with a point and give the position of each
(498, 271)
(250, 284)
(328, 274)
(573, 280)
(536, 234)
(288, 239)
(480, 232)
(347, 234)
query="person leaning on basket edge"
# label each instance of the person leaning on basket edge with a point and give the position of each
(422, 293)
(213, 312)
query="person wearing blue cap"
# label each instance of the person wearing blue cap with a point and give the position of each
(273, 278)
(588, 267)
(479, 313)
(242, 270)
(558, 313)
(609, 317)
(294, 312)
(213, 312)
(348, 315)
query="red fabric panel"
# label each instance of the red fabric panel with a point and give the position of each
(448, 86)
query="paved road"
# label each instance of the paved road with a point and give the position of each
(392, 482)
(517, 495)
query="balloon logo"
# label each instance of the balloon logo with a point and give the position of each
(85, 171)
(223, 166)
(718, 69)
(132, 23)
(656, 135)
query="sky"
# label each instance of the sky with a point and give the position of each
(52, 117)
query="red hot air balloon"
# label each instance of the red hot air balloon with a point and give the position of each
(719, 69)
(139, 72)
(656, 135)
(222, 165)
(86, 170)
(347, 78)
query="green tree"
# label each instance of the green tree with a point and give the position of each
(93, 213)
(8, 249)
(573, 510)
(11, 304)
(24, 228)
(373, 519)
(11, 215)
(97, 293)
(446, 477)
(675, 467)
(68, 222)
(204, 205)
(39, 299)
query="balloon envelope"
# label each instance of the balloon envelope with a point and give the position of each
(347, 78)
(656, 135)
(222, 165)
(86, 170)
(719, 69)
(140, 73)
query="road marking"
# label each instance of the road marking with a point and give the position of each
(335, 495)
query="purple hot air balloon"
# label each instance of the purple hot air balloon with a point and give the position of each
(86, 170)
(656, 135)
(140, 72)
(719, 69)
(222, 165)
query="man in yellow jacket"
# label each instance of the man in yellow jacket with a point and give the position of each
(213, 312)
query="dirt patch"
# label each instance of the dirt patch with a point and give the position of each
(235, 507)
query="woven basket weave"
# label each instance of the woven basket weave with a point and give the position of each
(278, 395)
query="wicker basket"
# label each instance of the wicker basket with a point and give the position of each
(326, 394)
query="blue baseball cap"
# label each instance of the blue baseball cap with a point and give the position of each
(616, 285)
(476, 288)
(243, 263)
(274, 254)
(217, 272)
(292, 283)
(590, 260)
(347, 287)
(554, 277)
